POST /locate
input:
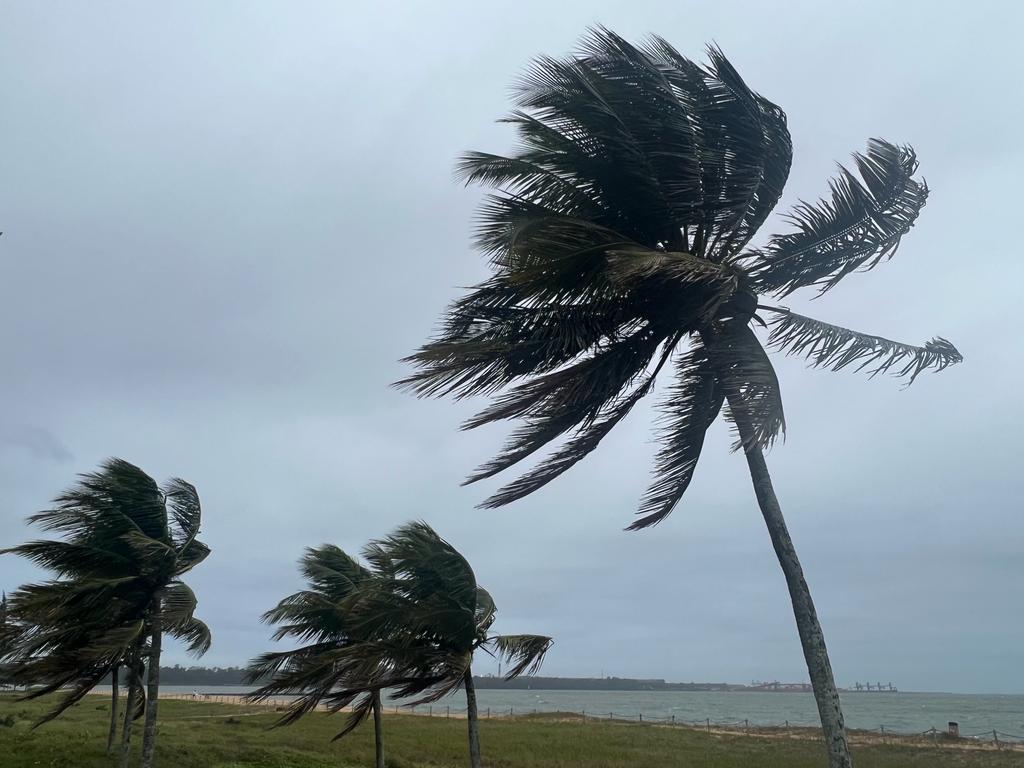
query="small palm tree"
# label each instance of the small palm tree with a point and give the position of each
(321, 617)
(117, 589)
(619, 241)
(428, 616)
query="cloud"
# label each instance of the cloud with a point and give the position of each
(223, 227)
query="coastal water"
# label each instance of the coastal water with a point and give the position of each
(896, 712)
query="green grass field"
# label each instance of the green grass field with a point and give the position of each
(201, 735)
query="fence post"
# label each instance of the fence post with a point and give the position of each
(584, 715)
(641, 717)
(709, 724)
(430, 710)
(746, 726)
(609, 715)
(673, 719)
(488, 713)
(510, 711)
(995, 737)
(448, 711)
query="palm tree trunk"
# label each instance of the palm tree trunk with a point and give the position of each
(378, 730)
(129, 711)
(471, 720)
(811, 637)
(112, 735)
(153, 683)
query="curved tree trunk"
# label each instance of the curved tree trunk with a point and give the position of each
(112, 735)
(378, 731)
(153, 683)
(811, 637)
(471, 720)
(134, 683)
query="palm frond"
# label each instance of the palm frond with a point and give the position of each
(690, 407)
(486, 610)
(557, 402)
(70, 558)
(524, 652)
(860, 226)
(830, 346)
(185, 510)
(178, 603)
(193, 553)
(118, 498)
(749, 383)
(194, 633)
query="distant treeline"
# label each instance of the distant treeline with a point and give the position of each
(596, 684)
(213, 676)
(179, 675)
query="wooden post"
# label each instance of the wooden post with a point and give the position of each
(709, 724)
(995, 737)
(641, 717)
(746, 726)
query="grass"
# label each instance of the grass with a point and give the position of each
(205, 735)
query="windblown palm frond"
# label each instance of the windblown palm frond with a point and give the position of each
(830, 346)
(194, 633)
(524, 652)
(859, 227)
(321, 617)
(690, 407)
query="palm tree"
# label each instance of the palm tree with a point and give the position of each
(320, 617)
(619, 240)
(427, 617)
(117, 589)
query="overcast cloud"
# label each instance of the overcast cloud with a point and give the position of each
(224, 223)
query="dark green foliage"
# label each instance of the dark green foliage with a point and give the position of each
(125, 540)
(618, 239)
(408, 621)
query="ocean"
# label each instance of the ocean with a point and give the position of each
(895, 712)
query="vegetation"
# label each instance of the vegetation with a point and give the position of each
(409, 623)
(199, 735)
(619, 240)
(323, 617)
(116, 590)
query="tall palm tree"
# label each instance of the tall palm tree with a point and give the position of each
(321, 617)
(427, 617)
(619, 240)
(117, 589)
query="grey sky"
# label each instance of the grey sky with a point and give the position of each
(225, 222)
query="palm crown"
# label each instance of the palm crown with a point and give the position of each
(320, 616)
(428, 616)
(619, 237)
(409, 621)
(126, 541)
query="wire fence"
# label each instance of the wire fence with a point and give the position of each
(990, 736)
